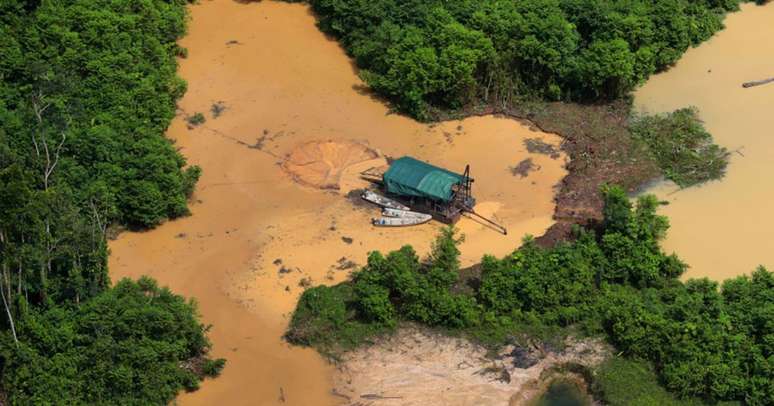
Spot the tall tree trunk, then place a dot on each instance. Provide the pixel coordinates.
(19, 270)
(49, 254)
(7, 276)
(8, 312)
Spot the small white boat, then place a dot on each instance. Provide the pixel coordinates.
(383, 201)
(401, 221)
(388, 212)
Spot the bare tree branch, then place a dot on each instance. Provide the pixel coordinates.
(8, 309)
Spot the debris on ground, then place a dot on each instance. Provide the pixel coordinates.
(344, 264)
(354, 197)
(305, 282)
(217, 108)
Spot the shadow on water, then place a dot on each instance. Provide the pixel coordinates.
(562, 392)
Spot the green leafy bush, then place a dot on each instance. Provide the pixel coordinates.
(196, 119)
(213, 367)
(682, 147)
(325, 317)
(526, 282)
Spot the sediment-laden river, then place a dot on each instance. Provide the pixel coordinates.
(725, 228)
(257, 233)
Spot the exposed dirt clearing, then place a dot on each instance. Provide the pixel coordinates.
(419, 368)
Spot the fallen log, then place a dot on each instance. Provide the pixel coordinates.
(757, 82)
(373, 396)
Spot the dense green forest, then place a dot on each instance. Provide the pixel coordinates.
(87, 89)
(433, 54)
(132, 344)
(704, 341)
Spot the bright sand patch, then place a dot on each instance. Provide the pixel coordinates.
(284, 84)
(415, 368)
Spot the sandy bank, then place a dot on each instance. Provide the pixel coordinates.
(420, 368)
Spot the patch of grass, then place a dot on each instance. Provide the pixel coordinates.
(324, 321)
(626, 382)
(196, 119)
(682, 146)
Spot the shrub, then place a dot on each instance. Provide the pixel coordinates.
(321, 310)
(213, 367)
(682, 147)
(374, 304)
(196, 119)
(624, 382)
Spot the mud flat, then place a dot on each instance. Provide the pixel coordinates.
(270, 214)
(724, 228)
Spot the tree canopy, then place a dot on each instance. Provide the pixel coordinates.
(446, 54)
(125, 346)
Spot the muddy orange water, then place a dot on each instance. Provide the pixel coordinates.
(725, 228)
(256, 232)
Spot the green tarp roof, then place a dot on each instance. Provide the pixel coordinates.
(410, 177)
